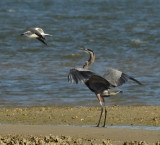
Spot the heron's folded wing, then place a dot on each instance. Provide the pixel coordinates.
(79, 75)
(97, 84)
(118, 78)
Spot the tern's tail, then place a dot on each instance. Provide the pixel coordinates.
(47, 35)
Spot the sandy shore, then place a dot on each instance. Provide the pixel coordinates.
(40, 125)
(82, 134)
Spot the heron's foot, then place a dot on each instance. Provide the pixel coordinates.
(97, 125)
(104, 125)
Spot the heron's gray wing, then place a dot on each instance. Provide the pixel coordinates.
(118, 78)
(33, 30)
(42, 41)
(79, 75)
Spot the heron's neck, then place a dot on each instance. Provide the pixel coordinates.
(90, 60)
(86, 65)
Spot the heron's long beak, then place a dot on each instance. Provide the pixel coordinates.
(84, 50)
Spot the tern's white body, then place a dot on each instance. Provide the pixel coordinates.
(32, 35)
(37, 33)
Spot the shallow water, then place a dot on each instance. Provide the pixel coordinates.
(123, 35)
(127, 127)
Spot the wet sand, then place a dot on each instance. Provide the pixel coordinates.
(82, 134)
(41, 125)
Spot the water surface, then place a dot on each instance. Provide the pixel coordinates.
(123, 34)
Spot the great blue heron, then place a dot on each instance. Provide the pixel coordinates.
(101, 86)
(38, 33)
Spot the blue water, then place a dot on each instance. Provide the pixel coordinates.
(123, 34)
(116, 126)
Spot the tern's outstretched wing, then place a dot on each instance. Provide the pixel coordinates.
(40, 39)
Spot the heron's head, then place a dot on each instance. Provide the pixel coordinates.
(89, 51)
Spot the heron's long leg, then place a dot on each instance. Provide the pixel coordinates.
(99, 98)
(105, 112)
